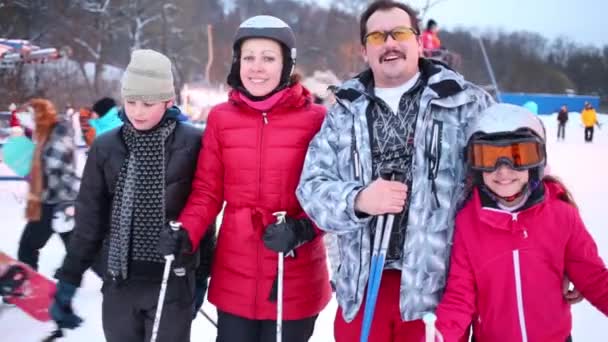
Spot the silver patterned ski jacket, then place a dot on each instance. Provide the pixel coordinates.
(339, 164)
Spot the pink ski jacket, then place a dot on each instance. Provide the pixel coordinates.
(507, 269)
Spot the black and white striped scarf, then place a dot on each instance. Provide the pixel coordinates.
(138, 211)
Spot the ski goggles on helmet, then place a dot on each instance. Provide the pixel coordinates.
(520, 154)
(399, 34)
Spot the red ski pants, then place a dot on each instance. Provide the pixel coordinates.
(387, 325)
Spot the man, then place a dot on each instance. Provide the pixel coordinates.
(562, 118)
(405, 112)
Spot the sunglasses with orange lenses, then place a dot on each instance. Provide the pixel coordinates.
(399, 34)
(519, 155)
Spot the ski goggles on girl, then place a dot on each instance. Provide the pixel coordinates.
(399, 34)
(521, 154)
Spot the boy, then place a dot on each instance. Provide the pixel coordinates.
(136, 179)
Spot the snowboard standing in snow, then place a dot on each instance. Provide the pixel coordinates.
(27, 289)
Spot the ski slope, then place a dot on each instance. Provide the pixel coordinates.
(582, 166)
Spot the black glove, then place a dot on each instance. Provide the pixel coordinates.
(286, 236)
(61, 310)
(171, 242)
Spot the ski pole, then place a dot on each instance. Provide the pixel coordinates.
(373, 286)
(430, 331)
(280, 215)
(214, 323)
(367, 313)
(55, 335)
(175, 226)
(382, 237)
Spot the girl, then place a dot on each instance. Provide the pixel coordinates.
(253, 151)
(515, 238)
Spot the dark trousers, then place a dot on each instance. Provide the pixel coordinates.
(233, 328)
(36, 234)
(561, 130)
(128, 310)
(589, 134)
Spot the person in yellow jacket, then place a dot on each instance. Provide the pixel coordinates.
(589, 118)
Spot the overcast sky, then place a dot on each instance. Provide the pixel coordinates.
(583, 21)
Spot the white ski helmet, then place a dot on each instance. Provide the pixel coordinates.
(506, 118)
(264, 26)
(501, 122)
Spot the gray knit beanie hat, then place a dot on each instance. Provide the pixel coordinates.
(148, 77)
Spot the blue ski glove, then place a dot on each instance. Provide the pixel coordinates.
(61, 309)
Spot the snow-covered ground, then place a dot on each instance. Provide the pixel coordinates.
(582, 166)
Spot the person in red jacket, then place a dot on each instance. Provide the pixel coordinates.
(253, 152)
(14, 120)
(515, 238)
(430, 39)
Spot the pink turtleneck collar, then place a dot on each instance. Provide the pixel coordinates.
(267, 104)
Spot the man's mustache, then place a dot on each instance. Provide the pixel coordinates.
(397, 53)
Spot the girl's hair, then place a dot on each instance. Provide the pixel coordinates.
(469, 185)
(566, 196)
(466, 192)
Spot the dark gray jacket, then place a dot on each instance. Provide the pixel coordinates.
(94, 202)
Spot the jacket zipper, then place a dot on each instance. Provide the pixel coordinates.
(259, 253)
(524, 230)
(265, 122)
(519, 295)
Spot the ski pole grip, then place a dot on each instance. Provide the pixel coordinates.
(175, 225)
(392, 174)
(430, 331)
(280, 215)
(180, 271)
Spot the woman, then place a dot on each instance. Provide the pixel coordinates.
(253, 151)
(53, 183)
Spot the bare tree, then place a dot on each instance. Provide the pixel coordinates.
(428, 4)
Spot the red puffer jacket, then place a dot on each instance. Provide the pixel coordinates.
(253, 161)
